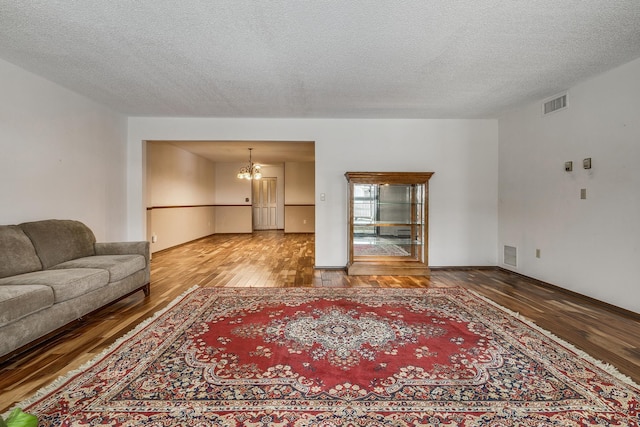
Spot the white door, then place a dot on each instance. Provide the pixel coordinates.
(264, 204)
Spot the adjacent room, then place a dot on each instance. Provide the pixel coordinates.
(244, 213)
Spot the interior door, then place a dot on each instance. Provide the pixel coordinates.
(264, 204)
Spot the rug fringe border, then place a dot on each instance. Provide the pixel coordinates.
(42, 392)
(606, 367)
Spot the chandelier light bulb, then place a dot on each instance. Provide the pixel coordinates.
(250, 171)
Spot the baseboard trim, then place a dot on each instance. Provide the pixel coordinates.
(599, 303)
(463, 267)
(453, 267)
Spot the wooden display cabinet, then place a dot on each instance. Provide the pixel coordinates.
(388, 223)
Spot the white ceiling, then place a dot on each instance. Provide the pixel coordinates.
(318, 58)
(263, 152)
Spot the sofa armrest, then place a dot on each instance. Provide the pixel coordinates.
(123, 248)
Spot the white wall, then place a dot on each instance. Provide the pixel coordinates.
(177, 225)
(589, 246)
(180, 192)
(178, 177)
(229, 189)
(300, 197)
(300, 185)
(462, 153)
(61, 156)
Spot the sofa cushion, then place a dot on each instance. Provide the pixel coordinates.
(16, 252)
(118, 266)
(58, 241)
(66, 284)
(21, 300)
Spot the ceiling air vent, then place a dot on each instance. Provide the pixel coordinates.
(510, 256)
(555, 104)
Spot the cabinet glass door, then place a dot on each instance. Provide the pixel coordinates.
(388, 223)
(387, 220)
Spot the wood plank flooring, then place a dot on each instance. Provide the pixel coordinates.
(273, 259)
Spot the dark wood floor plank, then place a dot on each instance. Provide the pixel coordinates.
(275, 259)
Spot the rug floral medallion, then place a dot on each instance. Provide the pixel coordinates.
(339, 357)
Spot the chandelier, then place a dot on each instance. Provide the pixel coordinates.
(250, 171)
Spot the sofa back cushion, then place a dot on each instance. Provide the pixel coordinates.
(58, 240)
(16, 252)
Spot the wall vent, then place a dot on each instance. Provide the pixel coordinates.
(555, 104)
(510, 256)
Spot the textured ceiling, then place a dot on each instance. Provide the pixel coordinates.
(318, 58)
(262, 152)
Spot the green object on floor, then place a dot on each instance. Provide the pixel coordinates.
(17, 418)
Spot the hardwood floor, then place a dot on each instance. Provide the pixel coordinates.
(273, 259)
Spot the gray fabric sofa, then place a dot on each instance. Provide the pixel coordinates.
(53, 272)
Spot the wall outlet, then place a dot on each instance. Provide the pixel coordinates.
(154, 238)
(537, 253)
(583, 193)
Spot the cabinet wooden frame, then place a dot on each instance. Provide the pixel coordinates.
(415, 262)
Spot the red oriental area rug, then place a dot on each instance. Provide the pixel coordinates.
(339, 357)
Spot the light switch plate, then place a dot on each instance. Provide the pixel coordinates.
(568, 166)
(586, 163)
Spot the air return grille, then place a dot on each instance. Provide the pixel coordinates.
(510, 256)
(555, 104)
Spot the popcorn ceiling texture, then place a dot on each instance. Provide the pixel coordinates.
(318, 58)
